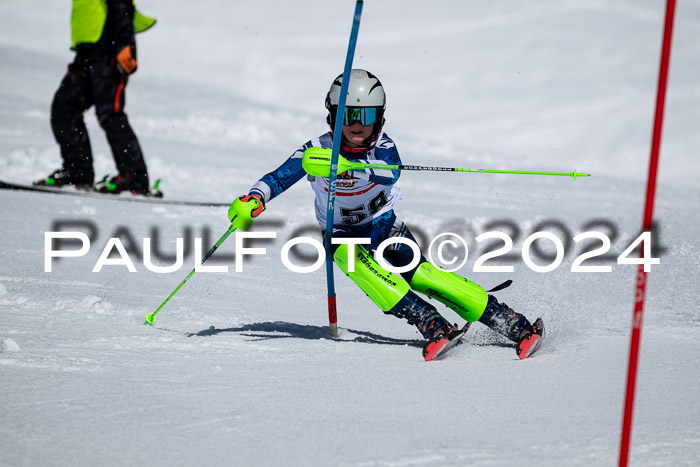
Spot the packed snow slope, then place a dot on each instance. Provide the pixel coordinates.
(239, 369)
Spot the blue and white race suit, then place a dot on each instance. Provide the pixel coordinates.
(364, 203)
(361, 196)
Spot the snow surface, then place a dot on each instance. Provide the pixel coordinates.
(239, 369)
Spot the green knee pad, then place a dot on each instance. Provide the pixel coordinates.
(384, 288)
(466, 298)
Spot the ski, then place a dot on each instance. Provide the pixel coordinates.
(531, 343)
(72, 191)
(434, 349)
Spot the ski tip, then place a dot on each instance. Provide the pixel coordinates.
(434, 349)
(530, 344)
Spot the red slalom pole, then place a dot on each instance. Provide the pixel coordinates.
(641, 282)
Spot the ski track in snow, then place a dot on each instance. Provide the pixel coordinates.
(239, 368)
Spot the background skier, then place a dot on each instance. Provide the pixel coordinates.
(102, 33)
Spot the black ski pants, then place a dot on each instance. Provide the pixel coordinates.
(97, 83)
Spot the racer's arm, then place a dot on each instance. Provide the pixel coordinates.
(279, 180)
(384, 154)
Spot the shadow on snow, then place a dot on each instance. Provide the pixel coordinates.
(284, 330)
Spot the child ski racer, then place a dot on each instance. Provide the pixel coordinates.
(365, 209)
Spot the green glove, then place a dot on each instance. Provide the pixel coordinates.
(244, 209)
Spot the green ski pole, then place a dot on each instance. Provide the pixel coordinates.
(240, 214)
(316, 162)
(151, 317)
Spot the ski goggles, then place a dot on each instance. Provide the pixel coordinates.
(364, 115)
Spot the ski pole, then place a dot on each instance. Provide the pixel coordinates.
(316, 162)
(151, 317)
(241, 216)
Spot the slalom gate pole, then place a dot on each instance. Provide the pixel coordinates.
(151, 317)
(641, 283)
(337, 134)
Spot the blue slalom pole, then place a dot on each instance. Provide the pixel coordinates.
(337, 134)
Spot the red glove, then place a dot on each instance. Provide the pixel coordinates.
(261, 206)
(244, 209)
(243, 206)
(126, 63)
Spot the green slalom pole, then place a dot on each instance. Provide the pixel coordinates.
(151, 317)
(316, 162)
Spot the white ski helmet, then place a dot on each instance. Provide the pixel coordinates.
(364, 91)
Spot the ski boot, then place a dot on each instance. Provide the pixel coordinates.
(513, 325)
(419, 313)
(430, 324)
(62, 177)
(122, 183)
